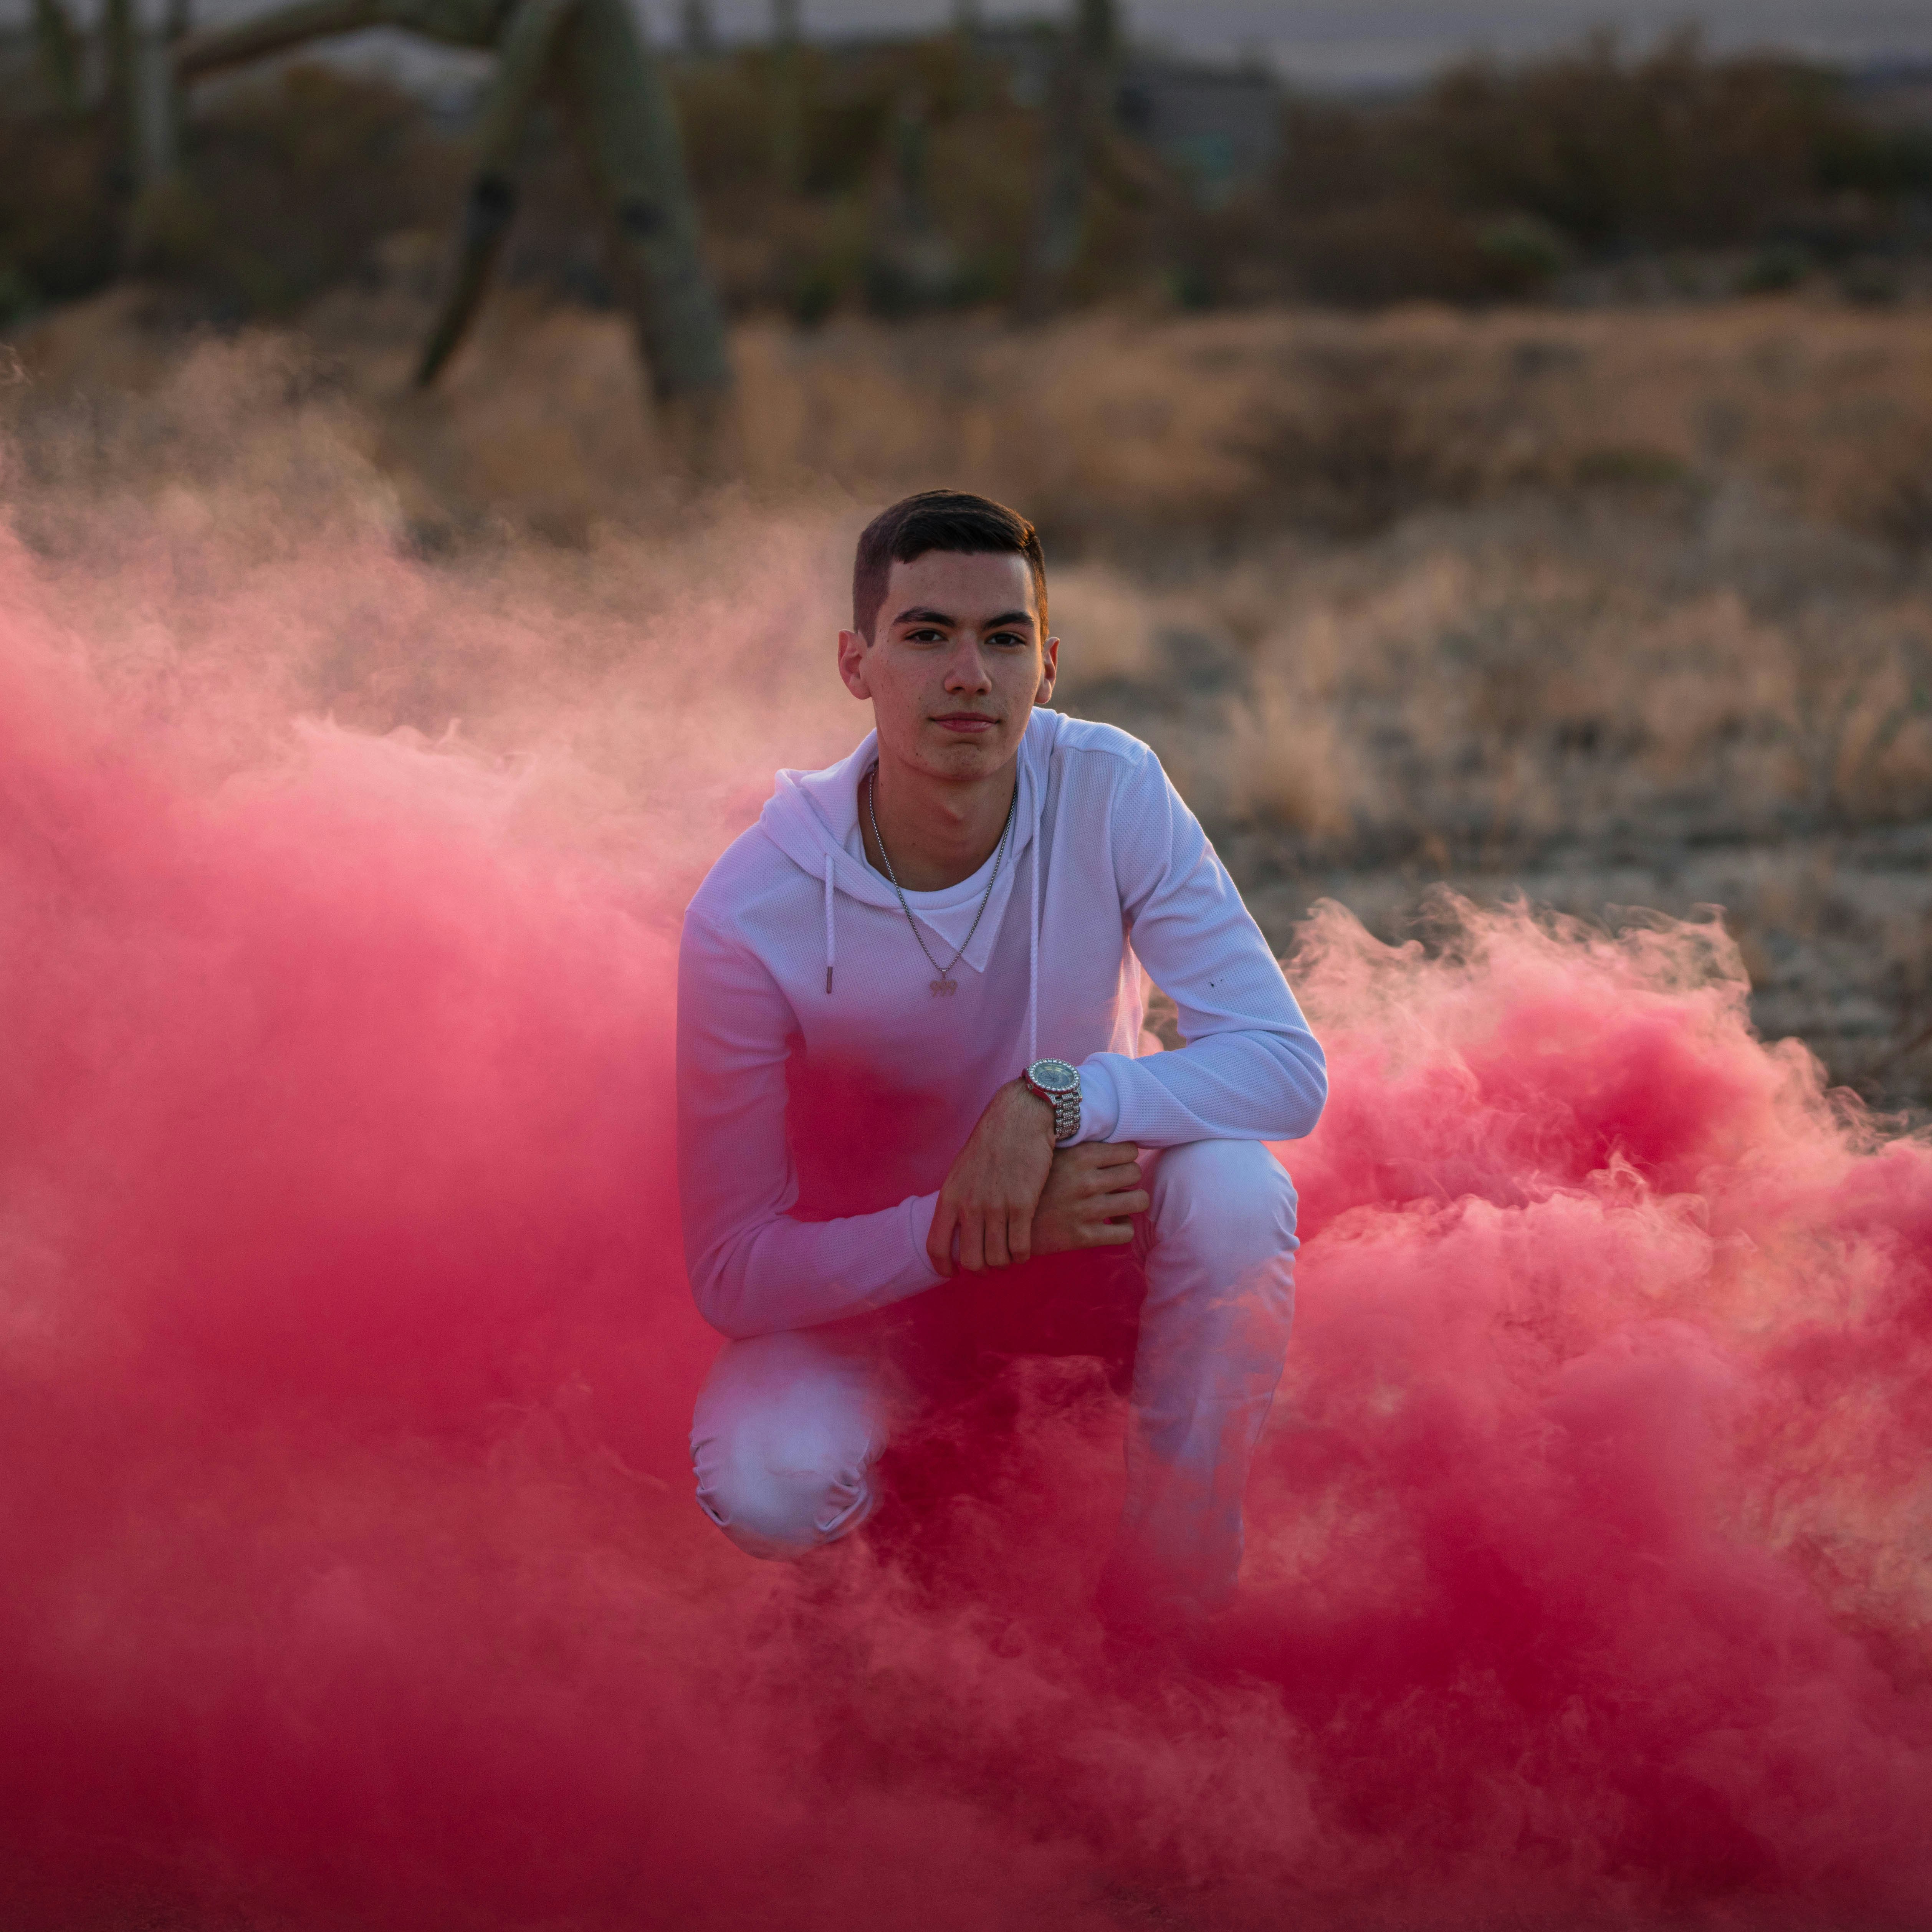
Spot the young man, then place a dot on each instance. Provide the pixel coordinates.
(909, 1023)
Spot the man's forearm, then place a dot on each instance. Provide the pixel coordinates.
(781, 1273)
(1268, 1084)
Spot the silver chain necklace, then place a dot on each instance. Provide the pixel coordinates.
(945, 984)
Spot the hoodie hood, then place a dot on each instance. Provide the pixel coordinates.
(812, 817)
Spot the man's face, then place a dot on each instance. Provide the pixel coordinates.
(957, 663)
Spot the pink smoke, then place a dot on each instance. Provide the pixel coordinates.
(351, 1575)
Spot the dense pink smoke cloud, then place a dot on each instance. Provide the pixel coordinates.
(351, 1574)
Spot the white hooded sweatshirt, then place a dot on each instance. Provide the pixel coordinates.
(819, 1075)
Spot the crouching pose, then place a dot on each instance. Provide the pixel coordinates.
(909, 1044)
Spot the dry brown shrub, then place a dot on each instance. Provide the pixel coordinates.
(1142, 434)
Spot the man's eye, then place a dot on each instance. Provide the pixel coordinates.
(1009, 637)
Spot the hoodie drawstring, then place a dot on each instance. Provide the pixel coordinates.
(1033, 939)
(831, 946)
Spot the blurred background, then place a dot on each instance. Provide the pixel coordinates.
(1486, 442)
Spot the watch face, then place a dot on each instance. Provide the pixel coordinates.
(1055, 1075)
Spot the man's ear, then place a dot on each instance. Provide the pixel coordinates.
(1049, 658)
(852, 647)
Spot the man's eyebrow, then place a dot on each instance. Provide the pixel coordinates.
(919, 614)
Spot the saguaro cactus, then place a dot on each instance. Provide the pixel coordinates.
(589, 54)
(1079, 110)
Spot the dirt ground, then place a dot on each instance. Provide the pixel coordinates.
(1618, 610)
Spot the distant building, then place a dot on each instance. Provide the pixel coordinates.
(1220, 125)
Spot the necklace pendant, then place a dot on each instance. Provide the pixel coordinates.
(943, 988)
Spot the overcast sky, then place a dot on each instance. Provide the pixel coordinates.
(1327, 43)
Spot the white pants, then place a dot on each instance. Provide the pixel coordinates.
(789, 1427)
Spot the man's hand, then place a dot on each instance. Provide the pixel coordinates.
(990, 1195)
(1089, 1198)
(1011, 1195)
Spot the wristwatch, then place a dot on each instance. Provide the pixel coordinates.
(1058, 1084)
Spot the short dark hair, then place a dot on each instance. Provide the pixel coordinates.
(954, 519)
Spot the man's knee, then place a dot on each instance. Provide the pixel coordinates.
(779, 1501)
(783, 1443)
(1231, 1197)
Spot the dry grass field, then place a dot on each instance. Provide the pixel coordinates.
(1617, 609)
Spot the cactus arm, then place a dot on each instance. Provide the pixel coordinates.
(528, 43)
(463, 23)
(214, 48)
(627, 129)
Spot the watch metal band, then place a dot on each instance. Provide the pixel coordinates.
(1058, 1084)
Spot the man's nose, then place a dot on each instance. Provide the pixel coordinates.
(967, 669)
